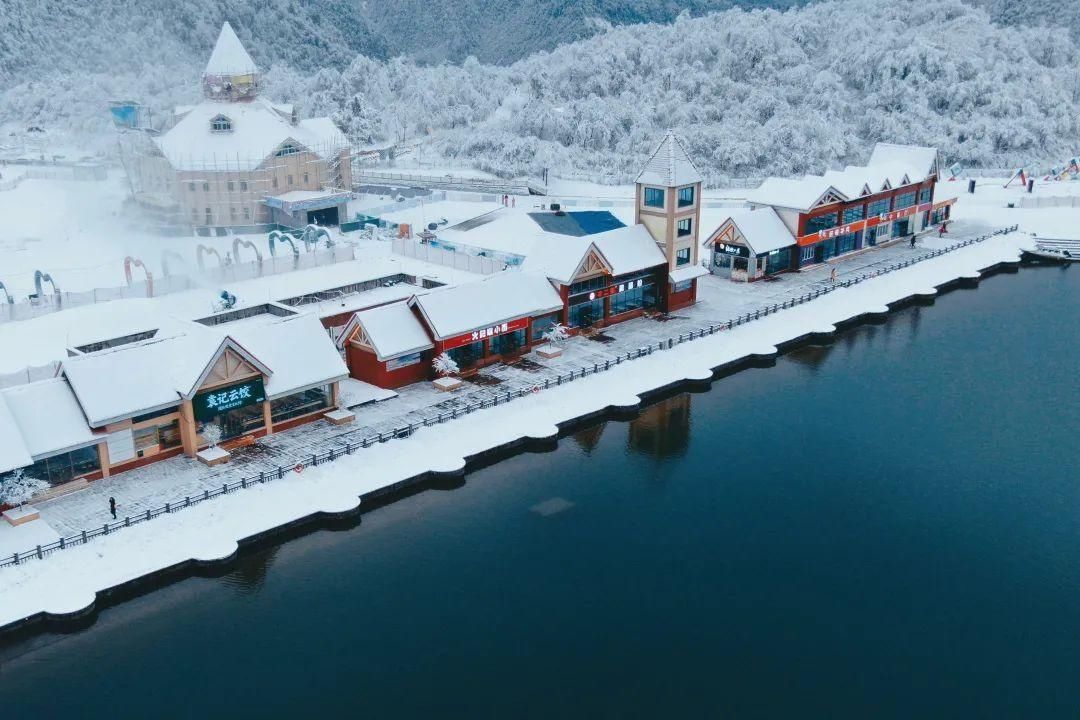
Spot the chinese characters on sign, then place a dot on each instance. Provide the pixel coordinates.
(485, 333)
(221, 400)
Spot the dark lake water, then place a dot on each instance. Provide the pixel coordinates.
(885, 527)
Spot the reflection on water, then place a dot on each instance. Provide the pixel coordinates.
(589, 438)
(251, 571)
(810, 355)
(662, 430)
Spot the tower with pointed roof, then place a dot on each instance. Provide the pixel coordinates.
(668, 204)
(230, 74)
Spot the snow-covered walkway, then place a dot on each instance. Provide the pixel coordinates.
(67, 581)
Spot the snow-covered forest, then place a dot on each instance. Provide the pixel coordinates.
(752, 92)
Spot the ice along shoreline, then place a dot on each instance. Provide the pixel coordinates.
(73, 585)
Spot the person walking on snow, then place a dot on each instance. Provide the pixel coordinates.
(913, 240)
(112, 507)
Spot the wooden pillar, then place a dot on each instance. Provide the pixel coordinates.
(335, 394)
(268, 421)
(103, 458)
(189, 438)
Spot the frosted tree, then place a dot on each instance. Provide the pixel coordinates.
(211, 433)
(17, 487)
(445, 366)
(557, 334)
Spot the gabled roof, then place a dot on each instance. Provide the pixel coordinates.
(48, 417)
(669, 165)
(498, 298)
(762, 229)
(229, 56)
(190, 372)
(258, 129)
(623, 250)
(920, 162)
(390, 330)
(802, 194)
(13, 451)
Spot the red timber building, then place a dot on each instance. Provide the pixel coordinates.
(829, 215)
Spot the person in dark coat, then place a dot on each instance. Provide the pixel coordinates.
(112, 507)
(912, 240)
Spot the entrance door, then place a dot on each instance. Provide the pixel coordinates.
(819, 253)
(326, 216)
(871, 236)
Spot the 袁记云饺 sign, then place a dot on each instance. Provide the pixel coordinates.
(212, 403)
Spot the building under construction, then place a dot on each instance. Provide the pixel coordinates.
(238, 160)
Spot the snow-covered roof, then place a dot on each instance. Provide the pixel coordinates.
(391, 330)
(890, 166)
(49, 417)
(762, 229)
(795, 193)
(293, 354)
(624, 250)
(13, 451)
(298, 351)
(919, 162)
(229, 56)
(257, 131)
(629, 249)
(669, 165)
(498, 298)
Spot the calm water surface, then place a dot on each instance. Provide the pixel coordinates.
(885, 527)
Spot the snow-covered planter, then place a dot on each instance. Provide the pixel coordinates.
(555, 335)
(212, 455)
(447, 370)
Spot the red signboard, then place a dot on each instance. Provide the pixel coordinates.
(855, 227)
(485, 333)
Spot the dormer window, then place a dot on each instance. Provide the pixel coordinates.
(287, 149)
(220, 123)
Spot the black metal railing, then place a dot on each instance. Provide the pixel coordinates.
(501, 398)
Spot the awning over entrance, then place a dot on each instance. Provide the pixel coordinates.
(684, 274)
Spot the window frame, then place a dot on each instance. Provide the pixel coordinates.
(654, 191)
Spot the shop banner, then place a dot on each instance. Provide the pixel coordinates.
(484, 333)
(854, 227)
(210, 404)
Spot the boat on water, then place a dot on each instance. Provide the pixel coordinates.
(1062, 250)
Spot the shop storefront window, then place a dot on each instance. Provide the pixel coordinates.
(65, 467)
(808, 254)
(778, 260)
(584, 286)
(821, 222)
(687, 284)
(828, 248)
(301, 403)
(541, 325)
(632, 299)
(878, 207)
(467, 355)
(507, 342)
(846, 243)
(586, 314)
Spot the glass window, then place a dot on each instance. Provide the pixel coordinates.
(247, 213)
(243, 186)
(807, 253)
(229, 185)
(682, 257)
(65, 467)
(683, 227)
(820, 222)
(542, 324)
(926, 195)
(467, 355)
(273, 181)
(305, 178)
(686, 196)
(287, 149)
(507, 342)
(301, 403)
(905, 201)
(221, 124)
(232, 212)
(209, 216)
(853, 214)
(847, 243)
(586, 314)
(778, 260)
(654, 197)
(206, 187)
(191, 186)
(684, 286)
(878, 207)
(289, 179)
(584, 286)
(630, 299)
